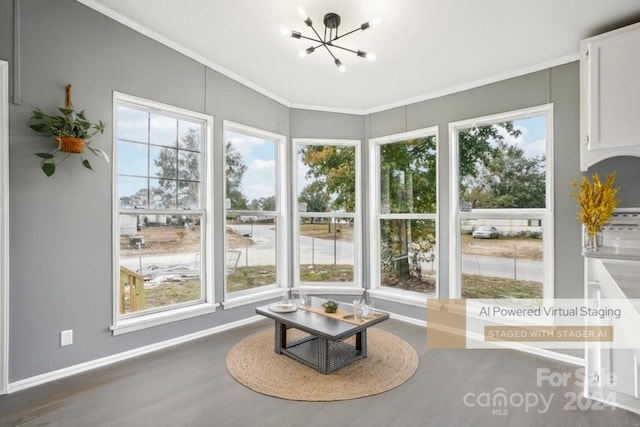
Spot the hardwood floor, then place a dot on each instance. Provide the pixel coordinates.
(188, 385)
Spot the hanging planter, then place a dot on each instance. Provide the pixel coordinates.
(69, 144)
(71, 132)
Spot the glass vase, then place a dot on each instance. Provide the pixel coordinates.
(592, 242)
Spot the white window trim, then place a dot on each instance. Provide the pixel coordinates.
(328, 287)
(4, 226)
(235, 299)
(130, 323)
(546, 214)
(396, 295)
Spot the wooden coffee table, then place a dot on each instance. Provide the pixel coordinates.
(323, 349)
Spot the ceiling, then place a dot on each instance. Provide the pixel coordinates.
(424, 48)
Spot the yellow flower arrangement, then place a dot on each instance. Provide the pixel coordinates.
(597, 201)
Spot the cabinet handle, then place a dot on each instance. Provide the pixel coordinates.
(586, 140)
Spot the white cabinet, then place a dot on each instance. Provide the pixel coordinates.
(613, 374)
(610, 95)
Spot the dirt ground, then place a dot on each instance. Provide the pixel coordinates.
(159, 240)
(180, 239)
(507, 247)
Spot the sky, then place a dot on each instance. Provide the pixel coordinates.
(533, 139)
(136, 129)
(259, 155)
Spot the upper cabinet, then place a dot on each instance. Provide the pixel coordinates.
(610, 95)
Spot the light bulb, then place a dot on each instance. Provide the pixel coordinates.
(375, 22)
(302, 13)
(285, 31)
(371, 56)
(339, 65)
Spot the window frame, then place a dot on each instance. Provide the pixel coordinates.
(234, 299)
(328, 287)
(397, 295)
(137, 321)
(545, 214)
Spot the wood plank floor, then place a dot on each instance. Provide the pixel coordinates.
(188, 385)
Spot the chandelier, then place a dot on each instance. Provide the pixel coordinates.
(331, 23)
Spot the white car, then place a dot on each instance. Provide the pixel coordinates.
(485, 232)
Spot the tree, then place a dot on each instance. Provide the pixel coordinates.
(515, 181)
(407, 185)
(333, 167)
(179, 174)
(476, 149)
(408, 176)
(316, 196)
(263, 204)
(138, 199)
(234, 172)
(497, 174)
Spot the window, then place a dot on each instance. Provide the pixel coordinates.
(255, 229)
(327, 211)
(502, 205)
(161, 205)
(404, 201)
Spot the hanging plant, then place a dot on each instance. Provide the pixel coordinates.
(72, 133)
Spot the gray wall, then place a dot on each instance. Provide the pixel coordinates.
(61, 227)
(627, 170)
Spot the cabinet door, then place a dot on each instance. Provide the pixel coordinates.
(611, 65)
(610, 96)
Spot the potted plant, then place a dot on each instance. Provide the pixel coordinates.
(330, 306)
(72, 133)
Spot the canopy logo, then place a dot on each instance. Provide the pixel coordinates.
(499, 401)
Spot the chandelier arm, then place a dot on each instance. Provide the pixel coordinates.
(326, 46)
(345, 34)
(312, 39)
(317, 35)
(343, 48)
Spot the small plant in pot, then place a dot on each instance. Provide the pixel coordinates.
(330, 306)
(72, 133)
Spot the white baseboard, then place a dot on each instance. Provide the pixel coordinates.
(104, 361)
(410, 320)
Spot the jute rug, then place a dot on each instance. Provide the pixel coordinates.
(390, 362)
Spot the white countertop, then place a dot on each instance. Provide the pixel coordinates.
(611, 252)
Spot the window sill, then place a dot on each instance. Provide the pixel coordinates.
(328, 289)
(415, 299)
(246, 299)
(138, 323)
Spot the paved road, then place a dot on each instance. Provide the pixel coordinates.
(521, 269)
(318, 251)
(321, 251)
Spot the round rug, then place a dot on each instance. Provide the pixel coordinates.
(390, 362)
